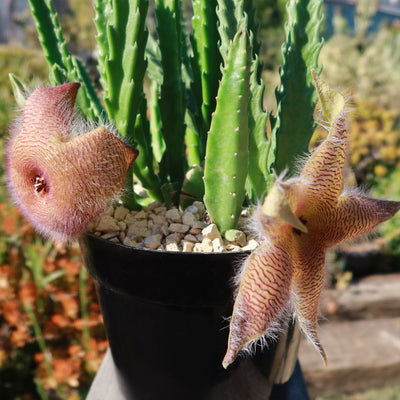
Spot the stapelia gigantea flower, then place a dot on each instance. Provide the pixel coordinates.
(299, 219)
(61, 181)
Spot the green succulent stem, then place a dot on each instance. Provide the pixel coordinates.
(293, 124)
(63, 66)
(227, 145)
(231, 19)
(262, 150)
(208, 58)
(157, 141)
(203, 113)
(172, 102)
(143, 165)
(122, 39)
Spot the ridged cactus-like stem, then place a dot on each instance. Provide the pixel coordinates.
(157, 141)
(143, 167)
(170, 130)
(122, 44)
(262, 150)
(115, 30)
(172, 100)
(227, 145)
(293, 124)
(102, 10)
(63, 66)
(208, 56)
(231, 20)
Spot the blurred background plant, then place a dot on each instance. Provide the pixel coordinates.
(30, 63)
(364, 61)
(52, 339)
(51, 335)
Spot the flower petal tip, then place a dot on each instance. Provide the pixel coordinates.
(323, 355)
(132, 154)
(332, 102)
(229, 358)
(64, 95)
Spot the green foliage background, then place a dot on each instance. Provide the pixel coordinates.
(367, 67)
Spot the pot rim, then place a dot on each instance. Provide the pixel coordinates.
(163, 277)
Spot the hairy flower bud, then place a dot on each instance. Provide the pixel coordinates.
(59, 181)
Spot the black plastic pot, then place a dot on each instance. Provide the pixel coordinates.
(165, 315)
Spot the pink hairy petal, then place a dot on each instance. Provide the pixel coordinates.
(263, 293)
(61, 185)
(355, 215)
(293, 254)
(308, 279)
(48, 112)
(323, 172)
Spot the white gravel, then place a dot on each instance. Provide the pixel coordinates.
(157, 228)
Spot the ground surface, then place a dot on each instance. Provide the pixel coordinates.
(361, 336)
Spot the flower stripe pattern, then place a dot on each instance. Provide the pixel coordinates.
(299, 219)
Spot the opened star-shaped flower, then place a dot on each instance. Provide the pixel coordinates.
(60, 180)
(299, 219)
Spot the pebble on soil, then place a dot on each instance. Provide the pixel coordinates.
(157, 228)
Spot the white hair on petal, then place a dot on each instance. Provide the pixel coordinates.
(257, 224)
(75, 125)
(276, 328)
(358, 190)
